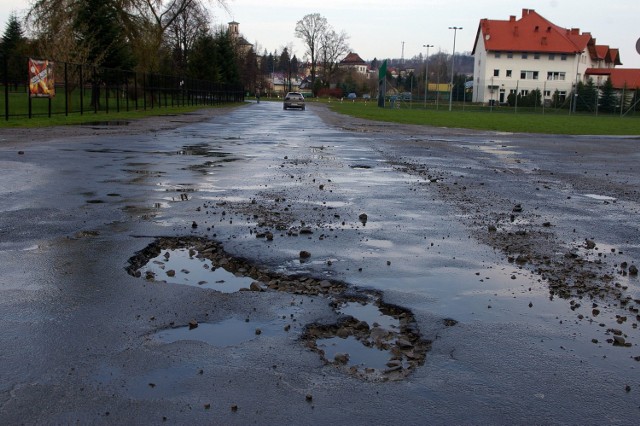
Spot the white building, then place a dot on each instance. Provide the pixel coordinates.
(353, 61)
(520, 55)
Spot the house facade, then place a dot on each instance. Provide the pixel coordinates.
(517, 56)
(353, 61)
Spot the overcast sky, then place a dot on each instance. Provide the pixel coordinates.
(378, 28)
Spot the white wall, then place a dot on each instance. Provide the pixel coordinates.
(486, 62)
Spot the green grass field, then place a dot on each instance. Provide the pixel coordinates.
(500, 119)
(473, 117)
(101, 116)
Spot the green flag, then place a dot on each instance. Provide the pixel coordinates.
(382, 72)
(382, 79)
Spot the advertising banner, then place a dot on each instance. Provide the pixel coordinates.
(41, 81)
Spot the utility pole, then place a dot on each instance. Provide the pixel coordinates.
(453, 56)
(426, 74)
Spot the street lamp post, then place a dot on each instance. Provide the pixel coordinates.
(426, 74)
(453, 55)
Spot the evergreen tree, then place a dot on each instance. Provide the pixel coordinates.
(587, 95)
(284, 62)
(227, 56)
(12, 48)
(100, 30)
(608, 98)
(204, 59)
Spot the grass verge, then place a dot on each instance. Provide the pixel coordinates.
(101, 116)
(502, 121)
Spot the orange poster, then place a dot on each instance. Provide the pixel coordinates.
(41, 81)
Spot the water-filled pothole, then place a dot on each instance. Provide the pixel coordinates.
(229, 332)
(388, 348)
(370, 339)
(185, 266)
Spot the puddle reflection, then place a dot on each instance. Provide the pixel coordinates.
(183, 266)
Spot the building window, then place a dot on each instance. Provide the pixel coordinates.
(563, 57)
(525, 56)
(547, 93)
(497, 55)
(510, 55)
(529, 75)
(552, 56)
(524, 92)
(556, 75)
(536, 56)
(508, 73)
(496, 73)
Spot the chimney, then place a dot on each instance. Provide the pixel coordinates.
(512, 18)
(575, 31)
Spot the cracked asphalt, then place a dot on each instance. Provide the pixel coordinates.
(514, 254)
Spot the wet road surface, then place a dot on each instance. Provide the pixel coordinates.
(85, 341)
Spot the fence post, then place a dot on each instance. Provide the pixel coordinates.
(66, 91)
(106, 91)
(5, 67)
(81, 90)
(144, 90)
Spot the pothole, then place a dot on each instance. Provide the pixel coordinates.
(187, 266)
(371, 339)
(229, 332)
(387, 347)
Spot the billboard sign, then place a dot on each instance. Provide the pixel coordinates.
(41, 81)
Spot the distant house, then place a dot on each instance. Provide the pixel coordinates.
(354, 62)
(516, 56)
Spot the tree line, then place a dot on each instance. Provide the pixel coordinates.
(175, 37)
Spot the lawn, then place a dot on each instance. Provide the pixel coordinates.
(101, 116)
(499, 119)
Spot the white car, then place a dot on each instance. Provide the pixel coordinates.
(293, 100)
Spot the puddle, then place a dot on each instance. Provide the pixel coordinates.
(370, 313)
(203, 150)
(370, 339)
(230, 332)
(105, 123)
(358, 354)
(184, 266)
(600, 197)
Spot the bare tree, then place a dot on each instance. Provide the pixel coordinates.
(182, 33)
(310, 29)
(333, 46)
(146, 23)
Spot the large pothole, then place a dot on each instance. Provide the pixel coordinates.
(370, 339)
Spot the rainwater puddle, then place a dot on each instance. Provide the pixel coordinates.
(359, 354)
(105, 123)
(183, 266)
(230, 332)
(599, 197)
(369, 313)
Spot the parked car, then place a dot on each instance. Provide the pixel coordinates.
(352, 96)
(293, 100)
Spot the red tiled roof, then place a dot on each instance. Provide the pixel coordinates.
(353, 59)
(621, 78)
(531, 33)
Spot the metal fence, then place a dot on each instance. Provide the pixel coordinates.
(87, 89)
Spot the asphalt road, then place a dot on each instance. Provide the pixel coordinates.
(514, 255)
